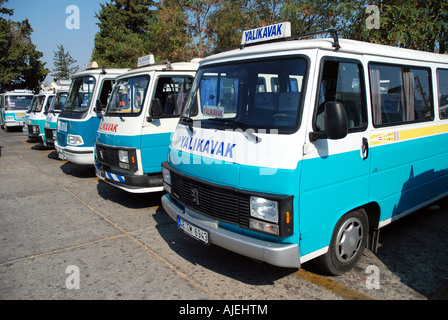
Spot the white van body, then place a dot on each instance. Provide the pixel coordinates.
(312, 168)
(78, 123)
(13, 107)
(132, 140)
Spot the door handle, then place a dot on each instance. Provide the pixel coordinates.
(365, 148)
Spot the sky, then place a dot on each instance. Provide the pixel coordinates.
(52, 26)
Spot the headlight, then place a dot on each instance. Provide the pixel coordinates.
(264, 209)
(123, 156)
(166, 175)
(166, 179)
(74, 140)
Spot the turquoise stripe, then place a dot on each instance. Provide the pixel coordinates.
(243, 177)
(153, 147)
(397, 176)
(87, 129)
(408, 173)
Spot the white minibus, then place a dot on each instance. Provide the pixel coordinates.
(353, 137)
(142, 114)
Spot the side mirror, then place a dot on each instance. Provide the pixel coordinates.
(156, 109)
(336, 123)
(98, 106)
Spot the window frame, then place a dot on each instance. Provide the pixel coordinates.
(438, 92)
(402, 66)
(362, 86)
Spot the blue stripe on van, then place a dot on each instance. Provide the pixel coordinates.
(87, 129)
(153, 147)
(397, 176)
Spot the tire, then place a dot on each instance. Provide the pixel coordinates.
(348, 242)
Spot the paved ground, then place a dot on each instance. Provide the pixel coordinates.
(61, 227)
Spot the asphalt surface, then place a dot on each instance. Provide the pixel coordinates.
(65, 235)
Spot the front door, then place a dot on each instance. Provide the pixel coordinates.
(335, 175)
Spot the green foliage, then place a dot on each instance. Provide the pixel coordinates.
(169, 35)
(179, 30)
(20, 64)
(63, 64)
(123, 35)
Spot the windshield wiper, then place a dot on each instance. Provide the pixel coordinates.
(241, 124)
(189, 122)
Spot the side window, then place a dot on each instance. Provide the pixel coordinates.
(172, 92)
(442, 83)
(106, 90)
(343, 82)
(400, 94)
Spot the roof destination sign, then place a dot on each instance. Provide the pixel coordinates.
(275, 31)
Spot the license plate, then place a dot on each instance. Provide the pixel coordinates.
(193, 231)
(99, 173)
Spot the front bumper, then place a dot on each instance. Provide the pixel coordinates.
(130, 183)
(277, 254)
(78, 155)
(10, 124)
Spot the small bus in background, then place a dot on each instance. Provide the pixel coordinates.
(78, 122)
(52, 115)
(36, 117)
(13, 107)
(135, 131)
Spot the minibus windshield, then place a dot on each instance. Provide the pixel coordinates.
(255, 94)
(58, 102)
(80, 94)
(18, 102)
(40, 103)
(128, 96)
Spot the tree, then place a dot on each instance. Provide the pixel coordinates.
(123, 35)
(20, 64)
(169, 32)
(63, 64)
(226, 24)
(413, 24)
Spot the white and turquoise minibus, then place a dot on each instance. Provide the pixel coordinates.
(78, 123)
(51, 120)
(36, 117)
(349, 137)
(13, 107)
(135, 131)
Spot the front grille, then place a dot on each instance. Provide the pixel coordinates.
(213, 201)
(107, 156)
(61, 139)
(49, 135)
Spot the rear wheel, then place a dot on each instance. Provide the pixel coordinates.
(347, 243)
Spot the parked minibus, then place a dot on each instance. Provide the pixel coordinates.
(135, 131)
(352, 137)
(36, 117)
(78, 122)
(13, 107)
(52, 115)
(27, 115)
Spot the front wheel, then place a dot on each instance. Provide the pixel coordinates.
(348, 242)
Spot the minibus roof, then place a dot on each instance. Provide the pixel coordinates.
(168, 67)
(346, 45)
(99, 71)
